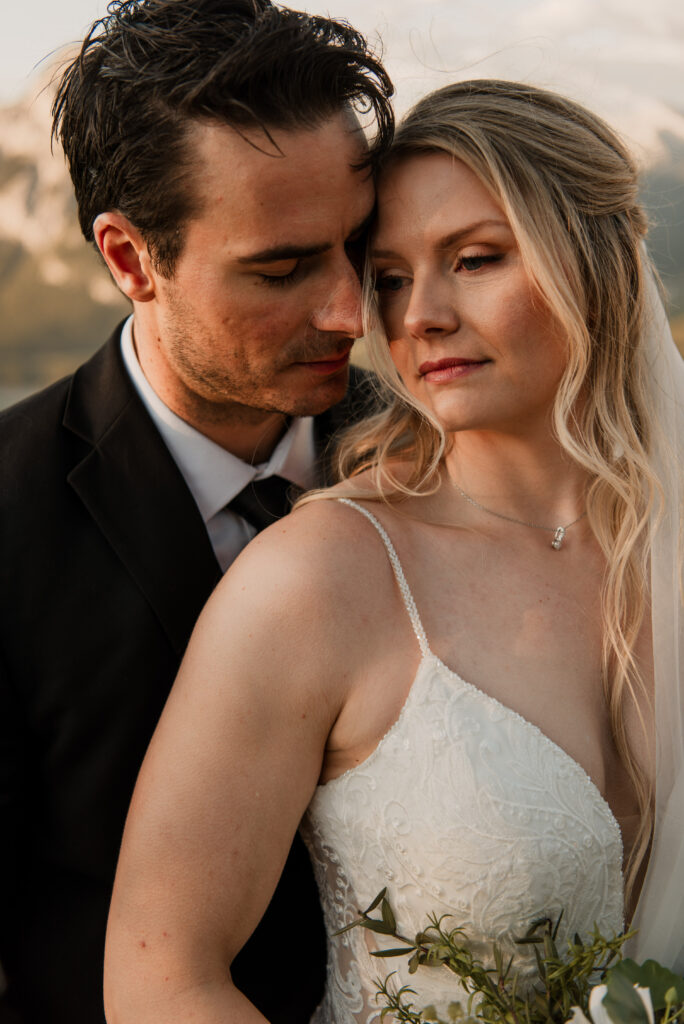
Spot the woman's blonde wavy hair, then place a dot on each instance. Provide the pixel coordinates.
(569, 190)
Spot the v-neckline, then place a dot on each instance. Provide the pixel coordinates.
(427, 657)
(530, 726)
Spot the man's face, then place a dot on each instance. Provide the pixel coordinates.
(264, 302)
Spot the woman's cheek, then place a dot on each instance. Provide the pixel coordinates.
(392, 315)
(400, 351)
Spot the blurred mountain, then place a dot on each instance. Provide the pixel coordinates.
(663, 197)
(58, 304)
(57, 301)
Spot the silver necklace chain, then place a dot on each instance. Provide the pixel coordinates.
(557, 531)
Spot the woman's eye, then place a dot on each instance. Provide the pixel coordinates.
(471, 263)
(389, 283)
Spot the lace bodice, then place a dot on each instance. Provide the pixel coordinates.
(464, 808)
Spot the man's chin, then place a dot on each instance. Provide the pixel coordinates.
(318, 399)
(308, 395)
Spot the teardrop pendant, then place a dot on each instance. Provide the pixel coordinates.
(558, 538)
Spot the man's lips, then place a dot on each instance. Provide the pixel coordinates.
(328, 364)
(443, 370)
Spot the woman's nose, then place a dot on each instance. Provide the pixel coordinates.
(431, 310)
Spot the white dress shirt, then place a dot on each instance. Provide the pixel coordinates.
(212, 474)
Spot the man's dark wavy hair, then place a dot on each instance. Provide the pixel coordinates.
(151, 68)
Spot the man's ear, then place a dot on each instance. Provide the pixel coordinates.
(126, 255)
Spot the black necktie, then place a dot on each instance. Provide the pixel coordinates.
(262, 502)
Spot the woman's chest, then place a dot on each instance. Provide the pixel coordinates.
(467, 809)
(534, 647)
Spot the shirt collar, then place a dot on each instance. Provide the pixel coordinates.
(213, 475)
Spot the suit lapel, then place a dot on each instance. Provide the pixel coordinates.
(132, 488)
(135, 493)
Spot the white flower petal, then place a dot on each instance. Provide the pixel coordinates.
(645, 996)
(596, 997)
(600, 1016)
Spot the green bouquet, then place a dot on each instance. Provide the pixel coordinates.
(591, 984)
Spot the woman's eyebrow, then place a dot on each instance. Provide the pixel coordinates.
(452, 239)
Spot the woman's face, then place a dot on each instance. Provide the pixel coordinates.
(467, 333)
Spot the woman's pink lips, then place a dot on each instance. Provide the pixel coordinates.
(324, 366)
(449, 369)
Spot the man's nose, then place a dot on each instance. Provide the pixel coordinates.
(341, 312)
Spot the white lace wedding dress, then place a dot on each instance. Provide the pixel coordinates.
(464, 808)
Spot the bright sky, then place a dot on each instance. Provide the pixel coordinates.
(624, 58)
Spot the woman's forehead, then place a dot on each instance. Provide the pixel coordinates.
(432, 193)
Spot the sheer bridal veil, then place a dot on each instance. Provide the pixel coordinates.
(660, 912)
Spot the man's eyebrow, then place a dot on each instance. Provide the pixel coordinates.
(284, 252)
(452, 239)
(292, 252)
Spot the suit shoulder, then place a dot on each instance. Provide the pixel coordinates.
(33, 458)
(35, 423)
(36, 417)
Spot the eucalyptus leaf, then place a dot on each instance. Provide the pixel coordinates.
(622, 1002)
(652, 976)
(377, 926)
(378, 899)
(359, 923)
(388, 952)
(388, 916)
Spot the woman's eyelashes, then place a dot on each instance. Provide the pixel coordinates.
(473, 263)
(392, 280)
(387, 281)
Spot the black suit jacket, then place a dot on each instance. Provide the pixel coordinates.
(105, 566)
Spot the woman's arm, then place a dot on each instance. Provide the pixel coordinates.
(230, 770)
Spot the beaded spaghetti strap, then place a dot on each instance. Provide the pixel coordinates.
(406, 594)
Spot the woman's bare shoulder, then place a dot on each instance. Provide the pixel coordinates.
(297, 614)
(369, 484)
(318, 540)
(323, 564)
